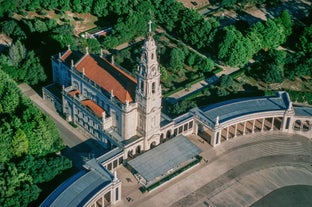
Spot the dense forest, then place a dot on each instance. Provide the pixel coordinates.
(28, 143)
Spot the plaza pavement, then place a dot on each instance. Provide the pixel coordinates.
(239, 172)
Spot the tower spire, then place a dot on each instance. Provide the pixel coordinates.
(150, 26)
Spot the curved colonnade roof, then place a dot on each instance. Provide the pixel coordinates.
(239, 107)
(80, 188)
(303, 111)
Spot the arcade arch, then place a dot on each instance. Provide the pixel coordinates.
(153, 145)
(234, 129)
(302, 125)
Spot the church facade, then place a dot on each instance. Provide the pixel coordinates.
(109, 103)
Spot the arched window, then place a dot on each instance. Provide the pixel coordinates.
(153, 87)
(152, 56)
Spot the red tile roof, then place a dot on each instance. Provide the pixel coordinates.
(66, 54)
(109, 77)
(93, 106)
(73, 93)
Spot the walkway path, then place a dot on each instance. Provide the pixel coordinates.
(200, 85)
(232, 167)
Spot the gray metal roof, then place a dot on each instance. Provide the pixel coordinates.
(76, 191)
(164, 157)
(182, 118)
(234, 108)
(303, 111)
(112, 153)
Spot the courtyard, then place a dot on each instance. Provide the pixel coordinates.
(237, 173)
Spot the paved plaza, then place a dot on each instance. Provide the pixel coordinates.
(238, 173)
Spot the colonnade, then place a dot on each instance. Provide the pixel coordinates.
(233, 129)
(110, 195)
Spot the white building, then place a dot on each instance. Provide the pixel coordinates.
(108, 102)
(124, 112)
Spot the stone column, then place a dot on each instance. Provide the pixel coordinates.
(195, 129)
(215, 137)
(262, 126)
(244, 130)
(301, 125)
(272, 124)
(235, 131)
(253, 126)
(103, 200)
(227, 133)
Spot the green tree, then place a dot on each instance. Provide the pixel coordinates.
(40, 26)
(16, 188)
(305, 41)
(64, 35)
(226, 81)
(100, 8)
(17, 53)
(206, 64)
(190, 60)
(86, 5)
(33, 70)
(164, 73)
(5, 141)
(169, 13)
(234, 49)
(77, 6)
(7, 7)
(176, 59)
(64, 5)
(12, 29)
(228, 3)
(181, 107)
(275, 66)
(19, 143)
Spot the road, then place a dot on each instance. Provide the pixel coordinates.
(70, 136)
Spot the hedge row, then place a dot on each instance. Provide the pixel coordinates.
(184, 87)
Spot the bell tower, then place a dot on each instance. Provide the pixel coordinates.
(148, 91)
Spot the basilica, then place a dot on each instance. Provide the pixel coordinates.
(124, 113)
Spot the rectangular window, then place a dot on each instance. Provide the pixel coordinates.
(120, 160)
(109, 166)
(115, 164)
(153, 87)
(191, 125)
(175, 132)
(180, 129)
(185, 127)
(117, 195)
(287, 123)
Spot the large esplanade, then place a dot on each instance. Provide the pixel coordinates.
(220, 122)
